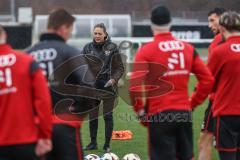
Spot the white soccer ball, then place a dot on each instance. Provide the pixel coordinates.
(92, 157)
(131, 156)
(109, 156)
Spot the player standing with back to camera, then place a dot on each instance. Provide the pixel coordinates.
(51, 52)
(107, 80)
(206, 135)
(171, 139)
(24, 99)
(224, 65)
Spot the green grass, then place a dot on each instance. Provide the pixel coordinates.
(124, 120)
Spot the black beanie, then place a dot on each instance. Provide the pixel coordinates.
(160, 16)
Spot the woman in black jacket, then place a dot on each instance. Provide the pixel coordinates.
(111, 71)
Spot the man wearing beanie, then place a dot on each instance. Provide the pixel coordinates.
(169, 120)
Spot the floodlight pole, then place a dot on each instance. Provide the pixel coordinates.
(13, 10)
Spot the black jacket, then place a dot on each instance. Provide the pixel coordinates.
(52, 53)
(108, 53)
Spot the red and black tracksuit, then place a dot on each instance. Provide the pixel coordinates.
(169, 112)
(24, 96)
(208, 125)
(217, 40)
(224, 66)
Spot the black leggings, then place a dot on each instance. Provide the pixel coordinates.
(108, 105)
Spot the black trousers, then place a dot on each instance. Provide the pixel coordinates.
(229, 155)
(108, 105)
(66, 143)
(227, 134)
(170, 136)
(18, 152)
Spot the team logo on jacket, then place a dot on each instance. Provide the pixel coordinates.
(171, 46)
(176, 59)
(176, 65)
(107, 53)
(235, 47)
(108, 48)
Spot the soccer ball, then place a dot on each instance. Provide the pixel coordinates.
(109, 156)
(131, 156)
(92, 157)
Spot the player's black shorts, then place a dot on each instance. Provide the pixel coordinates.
(171, 137)
(227, 133)
(66, 143)
(207, 125)
(18, 152)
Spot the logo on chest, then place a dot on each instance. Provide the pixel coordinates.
(107, 53)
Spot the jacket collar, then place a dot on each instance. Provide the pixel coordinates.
(98, 45)
(163, 35)
(233, 38)
(51, 36)
(5, 47)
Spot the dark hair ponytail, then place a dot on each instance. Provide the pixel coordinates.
(102, 25)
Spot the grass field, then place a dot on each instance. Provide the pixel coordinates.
(124, 120)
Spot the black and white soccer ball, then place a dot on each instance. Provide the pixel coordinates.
(109, 156)
(92, 157)
(131, 156)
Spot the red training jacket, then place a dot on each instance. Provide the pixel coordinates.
(180, 59)
(218, 39)
(224, 66)
(23, 95)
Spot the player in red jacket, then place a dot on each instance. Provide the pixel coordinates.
(224, 66)
(168, 106)
(24, 96)
(206, 135)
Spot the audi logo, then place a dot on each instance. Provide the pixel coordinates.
(235, 47)
(171, 46)
(44, 54)
(7, 60)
